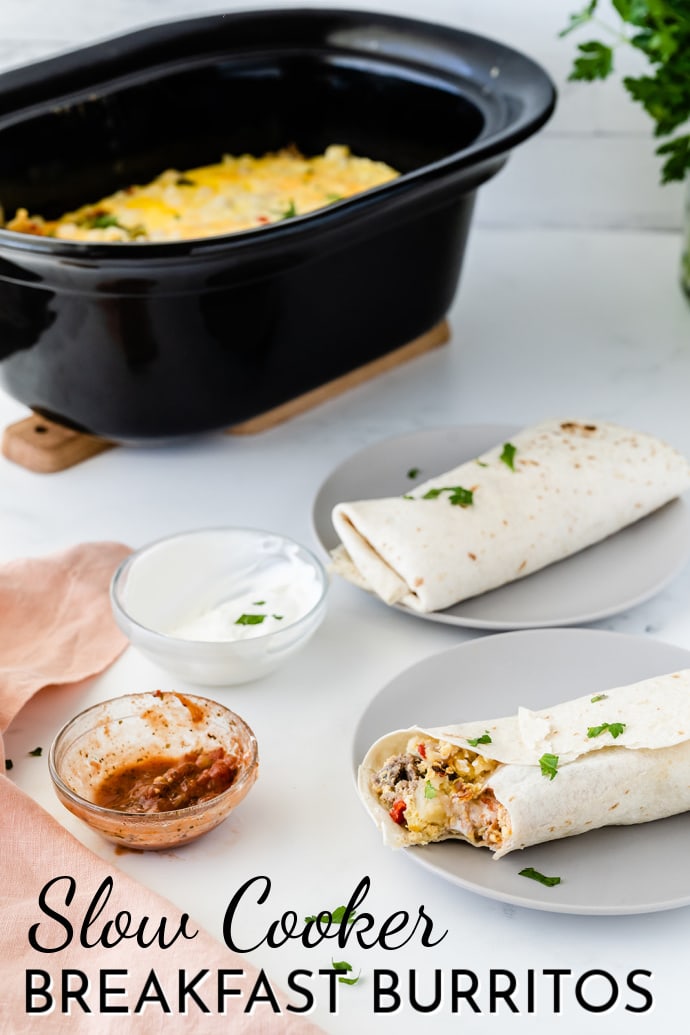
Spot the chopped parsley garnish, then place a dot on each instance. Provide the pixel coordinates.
(508, 455)
(429, 790)
(459, 497)
(413, 472)
(549, 765)
(36, 753)
(533, 874)
(102, 221)
(480, 463)
(278, 618)
(484, 739)
(614, 728)
(337, 915)
(250, 620)
(289, 212)
(331, 198)
(8, 763)
(598, 697)
(258, 603)
(345, 967)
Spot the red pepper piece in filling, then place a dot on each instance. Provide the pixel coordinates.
(396, 812)
(421, 750)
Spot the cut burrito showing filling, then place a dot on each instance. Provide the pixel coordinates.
(551, 491)
(617, 757)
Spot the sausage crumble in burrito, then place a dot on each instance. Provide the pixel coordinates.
(553, 490)
(615, 758)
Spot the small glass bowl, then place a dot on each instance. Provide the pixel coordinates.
(164, 585)
(117, 733)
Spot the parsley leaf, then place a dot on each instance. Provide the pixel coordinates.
(484, 739)
(549, 765)
(458, 496)
(102, 221)
(36, 753)
(339, 913)
(413, 472)
(614, 728)
(533, 874)
(678, 161)
(250, 620)
(429, 790)
(289, 212)
(346, 968)
(660, 31)
(598, 697)
(336, 916)
(508, 455)
(595, 62)
(580, 18)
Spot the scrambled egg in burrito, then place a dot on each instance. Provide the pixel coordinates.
(618, 757)
(238, 193)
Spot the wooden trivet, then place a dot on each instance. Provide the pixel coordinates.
(438, 335)
(45, 447)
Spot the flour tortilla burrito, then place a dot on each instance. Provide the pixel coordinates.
(552, 490)
(617, 757)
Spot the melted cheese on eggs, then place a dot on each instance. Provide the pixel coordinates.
(237, 193)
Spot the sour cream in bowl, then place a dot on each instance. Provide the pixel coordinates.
(220, 606)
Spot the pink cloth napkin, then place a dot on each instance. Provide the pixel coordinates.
(56, 627)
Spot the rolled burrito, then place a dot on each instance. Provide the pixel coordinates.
(617, 757)
(552, 490)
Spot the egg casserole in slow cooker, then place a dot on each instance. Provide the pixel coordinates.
(237, 193)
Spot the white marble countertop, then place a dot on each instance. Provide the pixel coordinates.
(569, 303)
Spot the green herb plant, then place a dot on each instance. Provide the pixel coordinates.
(660, 30)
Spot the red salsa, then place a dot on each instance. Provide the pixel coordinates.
(162, 784)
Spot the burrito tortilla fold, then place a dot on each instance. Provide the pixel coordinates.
(618, 757)
(551, 491)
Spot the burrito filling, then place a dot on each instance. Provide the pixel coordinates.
(437, 790)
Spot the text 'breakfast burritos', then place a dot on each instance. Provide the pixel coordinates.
(618, 757)
(551, 491)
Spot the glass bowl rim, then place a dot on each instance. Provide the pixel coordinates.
(245, 772)
(121, 571)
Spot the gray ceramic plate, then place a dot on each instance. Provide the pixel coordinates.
(618, 573)
(616, 870)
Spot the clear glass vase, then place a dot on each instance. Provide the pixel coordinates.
(685, 257)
